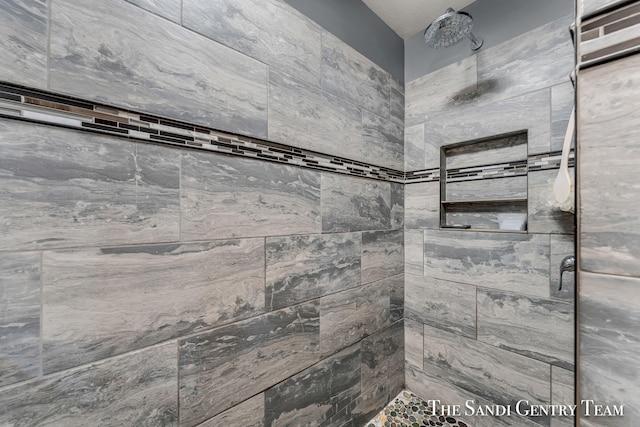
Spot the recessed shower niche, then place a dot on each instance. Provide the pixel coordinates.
(483, 184)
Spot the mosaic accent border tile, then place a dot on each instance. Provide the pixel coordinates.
(42, 107)
(409, 410)
(17, 102)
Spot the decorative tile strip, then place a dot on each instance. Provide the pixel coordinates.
(550, 160)
(426, 175)
(487, 171)
(41, 107)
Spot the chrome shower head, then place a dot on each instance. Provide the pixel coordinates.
(449, 29)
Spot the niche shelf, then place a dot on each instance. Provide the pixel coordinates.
(482, 182)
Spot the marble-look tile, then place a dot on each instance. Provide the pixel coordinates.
(305, 116)
(235, 197)
(562, 100)
(354, 204)
(383, 355)
(382, 254)
(351, 315)
(301, 268)
(447, 89)
(609, 157)
(19, 317)
(491, 373)
(271, 31)
(23, 42)
(249, 413)
(102, 302)
(160, 67)
(442, 304)
(65, 188)
(413, 343)
(609, 339)
(397, 205)
(540, 58)
(396, 102)
(502, 149)
(562, 393)
(413, 252)
(422, 205)
(414, 149)
(170, 9)
(316, 394)
(541, 329)
(136, 389)
(220, 368)
(543, 216)
(488, 189)
(561, 246)
(370, 402)
(382, 141)
(396, 285)
(586, 7)
(531, 112)
(352, 76)
(506, 261)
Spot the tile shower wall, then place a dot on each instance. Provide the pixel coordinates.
(484, 319)
(148, 285)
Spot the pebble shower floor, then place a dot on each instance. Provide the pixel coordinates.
(408, 410)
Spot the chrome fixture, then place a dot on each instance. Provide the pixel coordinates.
(567, 264)
(449, 29)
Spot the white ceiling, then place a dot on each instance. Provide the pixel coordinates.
(407, 17)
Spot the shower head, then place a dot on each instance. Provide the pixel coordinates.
(449, 29)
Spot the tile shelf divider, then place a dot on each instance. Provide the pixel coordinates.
(480, 201)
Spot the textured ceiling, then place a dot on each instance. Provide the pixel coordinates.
(407, 17)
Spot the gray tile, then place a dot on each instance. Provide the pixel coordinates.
(531, 112)
(414, 252)
(382, 255)
(488, 189)
(414, 149)
(354, 204)
(382, 141)
(609, 344)
(540, 58)
(447, 89)
(370, 402)
(562, 100)
(396, 284)
(349, 316)
(543, 216)
(19, 316)
(383, 355)
(351, 76)
(537, 328)
(609, 157)
(413, 343)
(159, 292)
(219, 88)
(397, 205)
(235, 197)
(220, 368)
(590, 6)
(496, 150)
(270, 31)
(23, 42)
(490, 373)
(561, 246)
(442, 304)
(249, 413)
(422, 205)
(562, 393)
(505, 261)
(56, 191)
(136, 389)
(396, 102)
(300, 268)
(305, 116)
(170, 9)
(315, 394)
